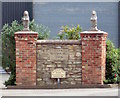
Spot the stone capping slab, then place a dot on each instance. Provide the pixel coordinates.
(25, 32)
(71, 42)
(94, 32)
(66, 86)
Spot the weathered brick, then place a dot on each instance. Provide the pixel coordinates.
(26, 58)
(93, 56)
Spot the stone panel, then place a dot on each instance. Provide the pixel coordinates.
(56, 54)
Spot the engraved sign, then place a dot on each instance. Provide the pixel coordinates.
(58, 54)
(58, 73)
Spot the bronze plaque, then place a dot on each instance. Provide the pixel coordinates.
(58, 73)
(58, 54)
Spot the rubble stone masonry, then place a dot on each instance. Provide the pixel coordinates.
(54, 54)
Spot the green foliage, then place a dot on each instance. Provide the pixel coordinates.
(8, 45)
(43, 31)
(112, 63)
(70, 33)
(118, 67)
(12, 78)
(8, 49)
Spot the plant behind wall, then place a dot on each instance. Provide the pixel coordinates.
(112, 63)
(71, 33)
(8, 45)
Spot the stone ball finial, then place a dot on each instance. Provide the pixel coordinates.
(26, 20)
(94, 21)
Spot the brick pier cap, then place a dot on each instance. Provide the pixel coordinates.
(93, 56)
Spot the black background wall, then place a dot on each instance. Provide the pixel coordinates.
(14, 11)
(0, 14)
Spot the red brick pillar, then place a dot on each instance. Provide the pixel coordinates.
(93, 56)
(26, 58)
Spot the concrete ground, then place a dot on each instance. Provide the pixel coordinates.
(3, 77)
(61, 92)
(56, 92)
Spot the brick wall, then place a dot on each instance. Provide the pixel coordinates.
(83, 61)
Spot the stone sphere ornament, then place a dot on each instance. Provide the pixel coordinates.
(26, 21)
(94, 21)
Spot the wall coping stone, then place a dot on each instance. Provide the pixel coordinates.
(26, 32)
(71, 42)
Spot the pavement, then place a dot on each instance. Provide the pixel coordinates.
(4, 76)
(61, 92)
(55, 92)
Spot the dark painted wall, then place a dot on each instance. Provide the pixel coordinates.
(0, 15)
(54, 15)
(14, 11)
